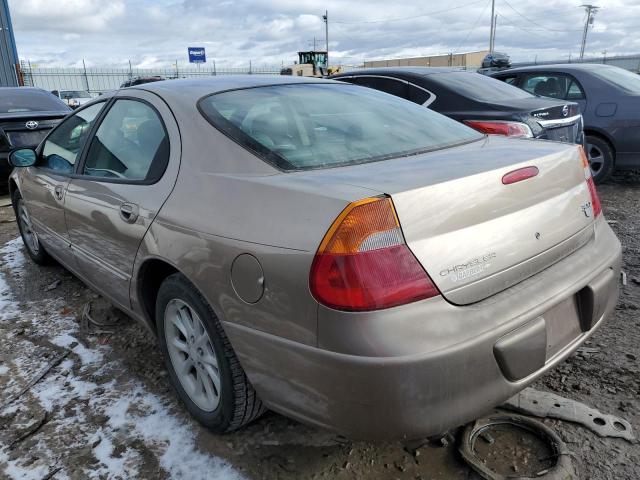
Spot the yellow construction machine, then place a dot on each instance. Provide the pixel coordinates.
(310, 64)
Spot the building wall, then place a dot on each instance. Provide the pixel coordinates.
(469, 59)
(8, 52)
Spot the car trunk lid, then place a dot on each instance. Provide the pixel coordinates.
(474, 235)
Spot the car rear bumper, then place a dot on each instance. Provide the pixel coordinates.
(420, 369)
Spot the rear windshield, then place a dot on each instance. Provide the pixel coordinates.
(15, 100)
(619, 77)
(306, 126)
(479, 87)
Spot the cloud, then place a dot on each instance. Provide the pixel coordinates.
(270, 32)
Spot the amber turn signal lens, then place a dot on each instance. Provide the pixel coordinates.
(364, 264)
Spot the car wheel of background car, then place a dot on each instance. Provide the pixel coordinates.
(29, 237)
(202, 365)
(600, 158)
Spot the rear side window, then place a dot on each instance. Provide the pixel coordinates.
(306, 126)
(130, 144)
(399, 88)
(559, 86)
(418, 95)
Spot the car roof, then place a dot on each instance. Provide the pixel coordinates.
(196, 88)
(22, 89)
(557, 67)
(417, 71)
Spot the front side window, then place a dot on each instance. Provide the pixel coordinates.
(131, 143)
(305, 126)
(64, 145)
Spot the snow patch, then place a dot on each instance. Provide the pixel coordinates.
(153, 423)
(87, 356)
(132, 412)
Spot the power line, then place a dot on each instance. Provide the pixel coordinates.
(474, 26)
(510, 23)
(536, 23)
(385, 20)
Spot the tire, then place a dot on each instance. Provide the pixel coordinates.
(29, 238)
(601, 158)
(179, 302)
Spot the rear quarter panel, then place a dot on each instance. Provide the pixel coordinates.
(227, 202)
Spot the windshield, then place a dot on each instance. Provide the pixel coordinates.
(479, 87)
(14, 100)
(67, 94)
(619, 77)
(305, 126)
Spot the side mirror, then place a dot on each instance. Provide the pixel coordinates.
(22, 157)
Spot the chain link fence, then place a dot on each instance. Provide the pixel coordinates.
(99, 80)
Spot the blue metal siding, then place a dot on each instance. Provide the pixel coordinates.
(8, 51)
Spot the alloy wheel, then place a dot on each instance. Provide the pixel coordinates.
(596, 159)
(192, 356)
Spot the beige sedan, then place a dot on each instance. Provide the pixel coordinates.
(331, 252)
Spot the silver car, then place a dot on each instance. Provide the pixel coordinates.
(327, 251)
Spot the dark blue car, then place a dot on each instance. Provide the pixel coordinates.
(609, 99)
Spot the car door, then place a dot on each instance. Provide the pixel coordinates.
(43, 186)
(127, 172)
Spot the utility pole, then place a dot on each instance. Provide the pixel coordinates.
(591, 11)
(493, 26)
(86, 78)
(325, 17)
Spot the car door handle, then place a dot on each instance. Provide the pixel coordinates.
(58, 192)
(129, 212)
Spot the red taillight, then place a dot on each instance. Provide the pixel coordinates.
(509, 129)
(364, 264)
(595, 200)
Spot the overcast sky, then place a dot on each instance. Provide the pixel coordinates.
(154, 33)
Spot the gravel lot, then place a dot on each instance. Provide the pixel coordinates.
(81, 401)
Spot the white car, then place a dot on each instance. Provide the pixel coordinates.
(73, 98)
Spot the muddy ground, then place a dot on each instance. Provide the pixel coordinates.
(80, 400)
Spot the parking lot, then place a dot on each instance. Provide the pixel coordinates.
(88, 396)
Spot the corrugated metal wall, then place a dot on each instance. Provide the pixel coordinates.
(468, 59)
(99, 80)
(8, 51)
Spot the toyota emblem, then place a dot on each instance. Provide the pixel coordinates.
(31, 124)
(565, 110)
